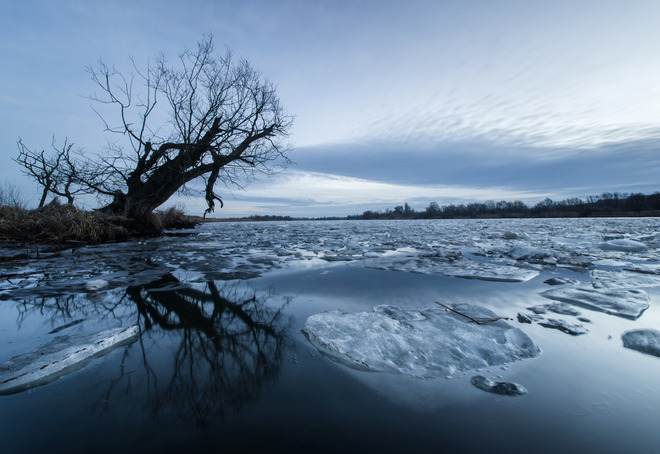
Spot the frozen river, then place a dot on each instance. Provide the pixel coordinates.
(327, 337)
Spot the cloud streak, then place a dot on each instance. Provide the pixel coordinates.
(312, 194)
(629, 166)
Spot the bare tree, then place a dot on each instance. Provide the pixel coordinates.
(10, 196)
(58, 171)
(203, 119)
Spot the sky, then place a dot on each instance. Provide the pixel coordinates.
(394, 101)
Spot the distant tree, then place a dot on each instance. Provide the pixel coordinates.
(545, 205)
(10, 196)
(636, 202)
(433, 210)
(407, 210)
(654, 201)
(58, 172)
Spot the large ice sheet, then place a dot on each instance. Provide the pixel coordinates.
(627, 303)
(422, 343)
(62, 355)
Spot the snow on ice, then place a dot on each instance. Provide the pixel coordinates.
(422, 343)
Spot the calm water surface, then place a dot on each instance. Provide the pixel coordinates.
(220, 363)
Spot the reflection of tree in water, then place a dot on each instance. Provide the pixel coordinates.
(230, 343)
(226, 343)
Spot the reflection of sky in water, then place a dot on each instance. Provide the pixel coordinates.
(216, 367)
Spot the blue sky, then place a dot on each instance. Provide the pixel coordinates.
(395, 101)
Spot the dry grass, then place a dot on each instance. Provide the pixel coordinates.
(57, 224)
(175, 218)
(65, 224)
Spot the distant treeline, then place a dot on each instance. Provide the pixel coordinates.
(605, 205)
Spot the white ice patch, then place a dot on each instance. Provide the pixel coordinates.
(624, 246)
(423, 343)
(62, 355)
(625, 303)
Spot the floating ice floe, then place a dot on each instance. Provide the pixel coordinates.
(96, 284)
(651, 239)
(643, 268)
(500, 387)
(557, 308)
(624, 246)
(488, 272)
(577, 263)
(533, 255)
(62, 355)
(627, 303)
(564, 326)
(453, 266)
(511, 235)
(643, 340)
(422, 343)
(623, 279)
(526, 318)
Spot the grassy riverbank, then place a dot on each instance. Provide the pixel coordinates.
(66, 224)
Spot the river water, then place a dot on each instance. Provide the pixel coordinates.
(219, 362)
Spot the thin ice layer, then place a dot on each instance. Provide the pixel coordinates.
(625, 303)
(62, 355)
(422, 343)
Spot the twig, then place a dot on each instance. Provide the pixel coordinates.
(482, 321)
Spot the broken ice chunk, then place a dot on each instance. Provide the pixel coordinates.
(452, 265)
(62, 355)
(500, 387)
(650, 268)
(557, 308)
(624, 246)
(67, 325)
(643, 340)
(510, 235)
(96, 284)
(623, 279)
(621, 302)
(423, 343)
(561, 281)
(563, 326)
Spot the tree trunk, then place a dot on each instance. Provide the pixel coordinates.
(42, 202)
